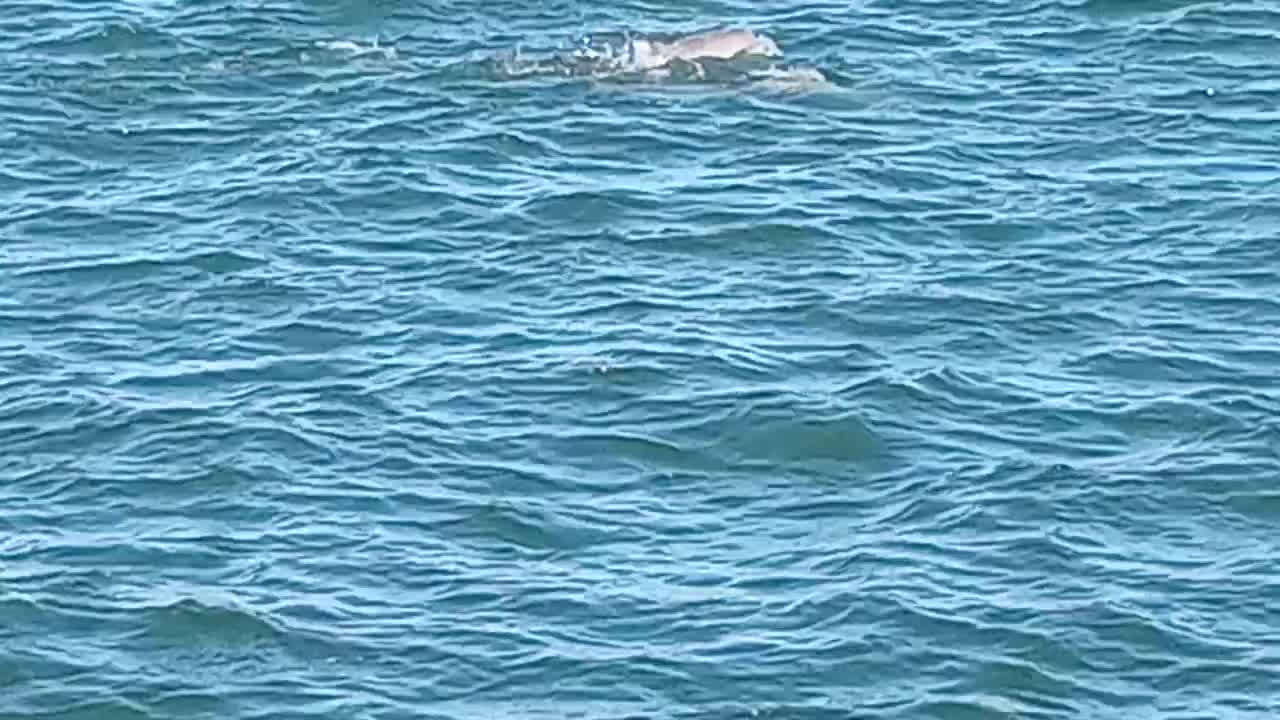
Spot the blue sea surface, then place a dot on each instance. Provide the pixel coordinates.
(407, 359)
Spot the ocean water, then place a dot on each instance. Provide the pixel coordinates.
(375, 360)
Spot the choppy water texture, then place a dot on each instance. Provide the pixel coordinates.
(420, 360)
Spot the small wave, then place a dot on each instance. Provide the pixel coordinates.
(118, 39)
(218, 623)
(110, 268)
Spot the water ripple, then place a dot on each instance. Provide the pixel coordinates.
(376, 360)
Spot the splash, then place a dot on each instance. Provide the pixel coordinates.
(351, 48)
(619, 59)
(791, 80)
(600, 58)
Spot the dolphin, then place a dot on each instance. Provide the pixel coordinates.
(721, 44)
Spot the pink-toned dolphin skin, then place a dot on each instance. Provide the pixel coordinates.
(723, 44)
(719, 44)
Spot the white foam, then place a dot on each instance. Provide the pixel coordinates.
(352, 47)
